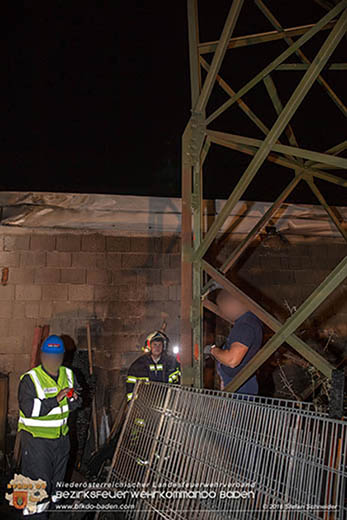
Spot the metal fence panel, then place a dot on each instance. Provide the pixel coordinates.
(224, 455)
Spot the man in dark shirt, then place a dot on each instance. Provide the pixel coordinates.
(243, 342)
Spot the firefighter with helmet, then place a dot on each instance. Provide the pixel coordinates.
(155, 365)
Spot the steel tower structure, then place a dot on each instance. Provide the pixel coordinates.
(306, 166)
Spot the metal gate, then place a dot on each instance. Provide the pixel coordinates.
(205, 454)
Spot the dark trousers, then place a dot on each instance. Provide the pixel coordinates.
(45, 459)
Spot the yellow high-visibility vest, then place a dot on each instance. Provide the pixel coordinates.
(54, 424)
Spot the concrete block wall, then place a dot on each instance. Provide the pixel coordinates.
(126, 286)
(280, 275)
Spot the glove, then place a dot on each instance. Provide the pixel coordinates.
(207, 349)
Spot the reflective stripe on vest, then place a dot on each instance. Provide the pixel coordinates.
(53, 424)
(174, 376)
(69, 377)
(39, 390)
(34, 422)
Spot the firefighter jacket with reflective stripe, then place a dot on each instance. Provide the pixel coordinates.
(166, 370)
(42, 423)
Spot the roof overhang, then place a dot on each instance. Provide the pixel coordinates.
(123, 214)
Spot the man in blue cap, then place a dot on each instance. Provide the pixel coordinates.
(46, 395)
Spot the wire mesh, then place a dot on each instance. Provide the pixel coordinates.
(205, 454)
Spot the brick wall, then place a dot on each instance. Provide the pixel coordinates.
(127, 285)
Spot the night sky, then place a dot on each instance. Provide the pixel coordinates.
(99, 95)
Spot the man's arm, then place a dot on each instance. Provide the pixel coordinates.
(136, 371)
(174, 372)
(130, 384)
(232, 357)
(28, 401)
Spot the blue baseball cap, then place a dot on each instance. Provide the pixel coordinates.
(53, 345)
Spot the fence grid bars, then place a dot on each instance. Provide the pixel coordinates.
(206, 454)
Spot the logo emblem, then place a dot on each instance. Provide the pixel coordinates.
(26, 493)
(20, 499)
(50, 390)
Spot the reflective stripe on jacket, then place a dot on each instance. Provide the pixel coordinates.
(166, 370)
(53, 424)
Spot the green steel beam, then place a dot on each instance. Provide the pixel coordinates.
(276, 24)
(235, 255)
(196, 309)
(218, 56)
(244, 107)
(323, 3)
(334, 160)
(304, 66)
(205, 150)
(332, 281)
(282, 161)
(265, 37)
(323, 166)
(193, 31)
(242, 246)
(195, 148)
(196, 322)
(196, 306)
(300, 346)
(280, 59)
(271, 88)
(287, 113)
(198, 129)
(186, 264)
(277, 103)
(189, 147)
(335, 150)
